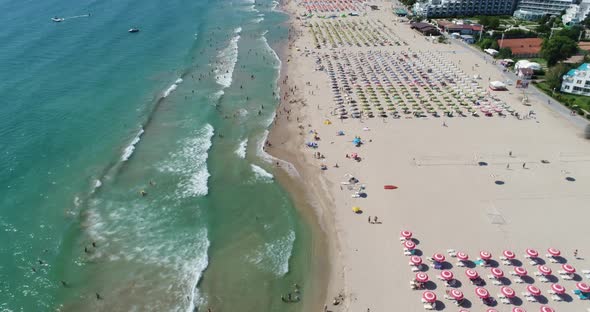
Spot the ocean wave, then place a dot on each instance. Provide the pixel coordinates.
(228, 58)
(190, 162)
(278, 62)
(262, 154)
(260, 174)
(128, 151)
(258, 20)
(172, 87)
(274, 6)
(241, 150)
(275, 255)
(217, 95)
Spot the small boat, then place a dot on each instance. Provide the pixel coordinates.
(390, 187)
(57, 19)
(133, 30)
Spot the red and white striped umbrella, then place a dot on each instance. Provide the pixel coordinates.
(532, 253)
(508, 292)
(438, 257)
(485, 255)
(544, 270)
(518, 309)
(568, 268)
(554, 251)
(462, 256)
(422, 277)
(497, 272)
(482, 292)
(509, 254)
(546, 309)
(491, 310)
(521, 271)
(456, 294)
(533, 290)
(472, 274)
(463, 310)
(406, 234)
(415, 260)
(558, 288)
(429, 296)
(446, 275)
(583, 287)
(409, 244)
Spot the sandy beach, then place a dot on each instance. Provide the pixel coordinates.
(464, 183)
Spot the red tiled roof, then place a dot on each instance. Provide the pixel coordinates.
(584, 45)
(524, 46)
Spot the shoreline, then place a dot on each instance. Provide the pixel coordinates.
(312, 199)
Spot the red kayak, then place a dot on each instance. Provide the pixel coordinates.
(390, 187)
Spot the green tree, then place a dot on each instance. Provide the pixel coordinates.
(558, 48)
(490, 22)
(572, 33)
(504, 53)
(554, 74)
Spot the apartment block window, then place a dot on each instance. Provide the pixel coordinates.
(579, 81)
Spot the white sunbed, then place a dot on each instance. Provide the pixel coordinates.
(507, 262)
(428, 306)
(497, 283)
(556, 298)
(512, 273)
(518, 280)
(543, 279)
(567, 277)
(531, 299)
(415, 269)
(460, 264)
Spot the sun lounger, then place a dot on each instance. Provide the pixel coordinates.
(407, 253)
(567, 277)
(553, 260)
(586, 271)
(551, 292)
(531, 299)
(460, 264)
(512, 273)
(518, 280)
(507, 262)
(538, 274)
(428, 306)
(497, 283)
(505, 301)
(415, 269)
(543, 279)
(556, 298)
(533, 262)
(503, 258)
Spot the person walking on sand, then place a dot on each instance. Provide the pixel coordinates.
(369, 219)
(576, 254)
(524, 165)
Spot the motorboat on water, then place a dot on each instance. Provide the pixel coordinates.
(57, 19)
(133, 30)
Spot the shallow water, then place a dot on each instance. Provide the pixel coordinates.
(94, 117)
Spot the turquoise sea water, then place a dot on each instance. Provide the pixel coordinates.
(92, 115)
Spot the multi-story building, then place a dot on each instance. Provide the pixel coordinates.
(576, 13)
(446, 8)
(577, 81)
(533, 9)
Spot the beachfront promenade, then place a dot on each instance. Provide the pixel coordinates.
(469, 171)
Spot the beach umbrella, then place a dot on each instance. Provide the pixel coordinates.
(471, 274)
(415, 260)
(521, 271)
(409, 244)
(509, 254)
(429, 296)
(482, 292)
(406, 234)
(546, 309)
(558, 288)
(544, 270)
(485, 255)
(533, 290)
(554, 252)
(497, 272)
(462, 256)
(422, 277)
(356, 209)
(446, 275)
(532, 253)
(518, 309)
(508, 292)
(456, 294)
(438, 257)
(568, 268)
(491, 310)
(583, 287)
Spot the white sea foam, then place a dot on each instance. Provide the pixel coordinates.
(128, 151)
(274, 5)
(241, 150)
(190, 163)
(217, 95)
(274, 255)
(260, 152)
(229, 58)
(172, 87)
(258, 20)
(97, 184)
(271, 51)
(260, 174)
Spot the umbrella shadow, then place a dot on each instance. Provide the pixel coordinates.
(440, 305)
(542, 299)
(466, 304)
(566, 298)
(457, 283)
(552, 278)
(470, 264)
(560, 259)
(505, 281)
(446, 265)
(418, 252)
(416, 241)
(430, 285)
(493, 263)
(424, 267)
(577, 277)
(516, 262)
(540, 261)
(516, 301)
(527, 279)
